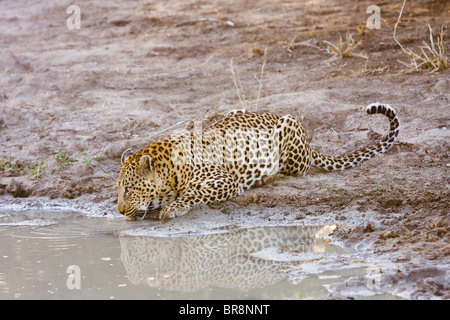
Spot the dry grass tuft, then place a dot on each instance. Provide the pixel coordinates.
(432, 55)
(344, 49)
(244, 102)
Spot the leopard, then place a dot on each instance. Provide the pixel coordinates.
(219, 162)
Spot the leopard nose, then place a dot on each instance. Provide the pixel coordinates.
(120, 208)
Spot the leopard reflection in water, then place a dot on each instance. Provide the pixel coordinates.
(224, 259)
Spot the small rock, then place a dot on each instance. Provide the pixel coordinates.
(369, 228)
(114, 150)
(389, 234)
(17, 190)
(300, 216)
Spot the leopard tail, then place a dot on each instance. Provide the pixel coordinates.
(356, 157)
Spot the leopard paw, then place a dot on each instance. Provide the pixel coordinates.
(166, 213)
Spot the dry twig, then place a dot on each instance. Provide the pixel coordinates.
(243, 101)
(197, 20)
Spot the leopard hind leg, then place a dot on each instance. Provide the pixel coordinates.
(294, 150)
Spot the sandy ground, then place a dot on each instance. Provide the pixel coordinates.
(71, 101)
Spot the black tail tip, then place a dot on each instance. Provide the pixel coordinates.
(382, 108)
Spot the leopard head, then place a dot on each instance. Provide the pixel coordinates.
(138, 184)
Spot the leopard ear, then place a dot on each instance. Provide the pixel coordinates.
(125, 155)
(145, 163)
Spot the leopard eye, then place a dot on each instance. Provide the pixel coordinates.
(125, 193)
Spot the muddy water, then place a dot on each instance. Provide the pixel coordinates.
(65, 255)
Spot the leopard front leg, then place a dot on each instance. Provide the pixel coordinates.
(220, 187)
(179, 207)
